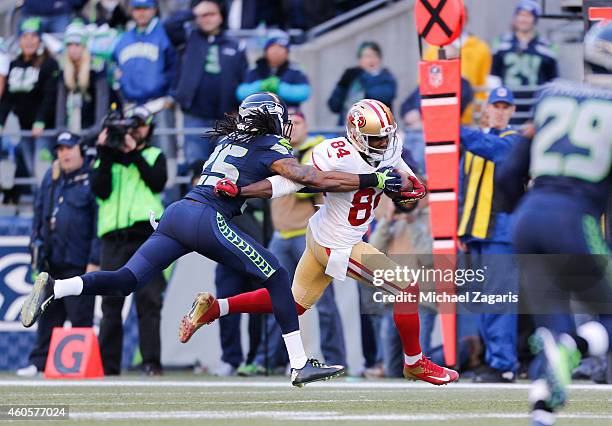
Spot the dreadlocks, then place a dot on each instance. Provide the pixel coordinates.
(243, 130)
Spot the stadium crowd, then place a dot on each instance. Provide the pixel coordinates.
(176, 59)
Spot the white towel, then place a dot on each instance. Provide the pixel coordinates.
(338, 263)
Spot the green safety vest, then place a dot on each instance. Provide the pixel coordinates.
(131, 199)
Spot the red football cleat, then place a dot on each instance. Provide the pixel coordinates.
(204, 310)
(430, 372)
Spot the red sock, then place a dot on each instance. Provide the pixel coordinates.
(406, 318)
(255, 302)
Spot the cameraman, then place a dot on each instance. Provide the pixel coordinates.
(128, 178)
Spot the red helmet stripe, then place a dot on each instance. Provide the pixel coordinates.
(382, 122)
(382, 106)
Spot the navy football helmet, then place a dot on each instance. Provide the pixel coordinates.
(272, 104)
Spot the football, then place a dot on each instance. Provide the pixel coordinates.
(406, 185)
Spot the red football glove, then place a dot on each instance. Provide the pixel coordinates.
(226, 188)
(418, 191)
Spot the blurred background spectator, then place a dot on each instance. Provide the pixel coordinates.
(211, 68)
(64, 240)
(30, 94)
(275, 73)
(368, 80)
(83, 92)
(146, 58)
(524, 59)
(54, 15)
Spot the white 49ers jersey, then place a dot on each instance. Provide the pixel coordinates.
(344, 218)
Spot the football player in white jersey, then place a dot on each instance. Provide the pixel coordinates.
(334, 245)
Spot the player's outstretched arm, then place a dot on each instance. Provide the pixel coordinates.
(297, 176)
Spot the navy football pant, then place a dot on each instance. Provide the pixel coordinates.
(563, 257)
(188, 226)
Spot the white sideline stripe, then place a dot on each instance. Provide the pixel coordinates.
(439, 101)
(273, 402)
(16, 326)
(311, 415)
(279, 384)
(442, 196)
(14, 241)
(441, 149)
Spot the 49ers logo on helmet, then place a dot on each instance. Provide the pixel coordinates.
(357, 119)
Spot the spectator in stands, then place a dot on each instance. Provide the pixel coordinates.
(145, 57)
(212, 66)
(64, 240)
(290, 215)
(523, 58)
(30, 94)
(367, 80)
(275, 73)
(129, 169)
(484, 232)
(54, 15)
(476, 60)
(83, 93)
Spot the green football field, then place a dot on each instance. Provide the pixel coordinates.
(181, 399)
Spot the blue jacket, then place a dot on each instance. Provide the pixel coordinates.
(293, 88)
(195, 47)
(147, 61)
(73, 241)
(52, 7)
(356, 84)
(483, 154)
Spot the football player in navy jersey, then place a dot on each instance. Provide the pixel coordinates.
(251, 146)
(569, 160)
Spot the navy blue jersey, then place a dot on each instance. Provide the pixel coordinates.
(242, 163)
(524, 65)
(571, 153)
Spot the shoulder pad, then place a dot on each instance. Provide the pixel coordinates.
(277, 143)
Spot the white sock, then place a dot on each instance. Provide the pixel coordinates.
(295, 349)
(596, 336)
(223, 307)
(412, 359)
(70, 287)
